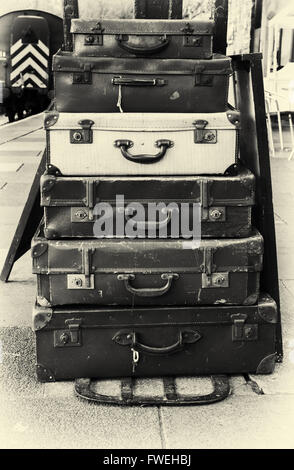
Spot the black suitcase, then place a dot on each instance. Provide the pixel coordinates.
(147, 272)
(165, 39)
(71, 203)
(93, 342)
(97, 85)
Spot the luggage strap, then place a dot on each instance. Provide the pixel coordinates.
(221, 390)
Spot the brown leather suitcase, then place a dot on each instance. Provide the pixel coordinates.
(93, 342)
(133, 272)
(108, 85)
(164, 39)
(72, 204)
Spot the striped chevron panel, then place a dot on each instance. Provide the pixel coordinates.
(29, 65)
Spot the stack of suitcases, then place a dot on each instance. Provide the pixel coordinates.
(142, 117)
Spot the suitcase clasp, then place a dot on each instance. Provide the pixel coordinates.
(193, 41)
(210, 278)
(202, 78)
(84, 77)
(84, 135)
(71, 336)
(96, 38)
(203, 135)
(242, 331)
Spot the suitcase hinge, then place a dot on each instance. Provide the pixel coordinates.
(85, 280)
(242, 331)
(84, 135)
(211, 279)
(95, 39)
(202, 135)
(71, 336)
(84, 77)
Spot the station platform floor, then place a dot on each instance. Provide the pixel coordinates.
(47, 416)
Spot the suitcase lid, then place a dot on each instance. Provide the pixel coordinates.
(146, 256)
(218, 65)
(58, 191)
(265, 311)
(142, 122)
(142, 27)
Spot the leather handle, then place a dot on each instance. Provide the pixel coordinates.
(148, 291)
(126, 81)
(145, 50)
(130, 338)
(149, 224)
(125, 145)
(158, 351)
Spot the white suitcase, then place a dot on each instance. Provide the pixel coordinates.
(141, 144)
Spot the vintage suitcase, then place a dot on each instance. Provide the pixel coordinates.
(108, 85)
(142, 144)
(93, 342)
(165, 39)
(73, 204)
(143, 271)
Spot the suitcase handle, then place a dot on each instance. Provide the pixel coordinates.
(145, 50)
(125, 81)
(148, 291)
(124, 145)
(149, 224)
(130, 338)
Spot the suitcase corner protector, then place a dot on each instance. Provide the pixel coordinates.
(52, 170)
(47, 182)
(41, 316)
(234, 117)
(267, 365)
(251, 299)
(37, 248)
(267, 310)
(44, 374)
(51, 119)
(50, 233)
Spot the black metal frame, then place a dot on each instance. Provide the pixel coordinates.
(221, 390)
(249, 92)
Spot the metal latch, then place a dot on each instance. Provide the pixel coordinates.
(242, 331)
(203, 135)
(70, 336)
(84, 135)
(210, 278)
(84, 77)
(193, 41)
(80, 281)
(95, 39)
(215, 280)
(86, 279)
(202, 79)
(86, 214)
